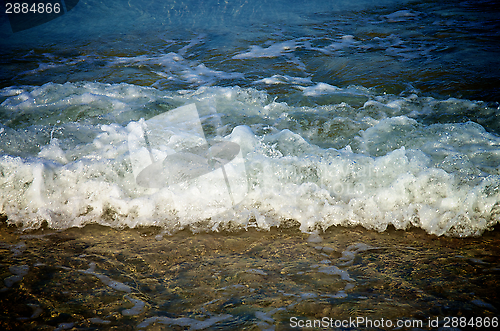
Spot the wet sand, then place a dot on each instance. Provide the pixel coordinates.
(98, 278)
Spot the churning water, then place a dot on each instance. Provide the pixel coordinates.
(233, 164)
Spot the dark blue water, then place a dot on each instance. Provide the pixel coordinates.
(447, 48)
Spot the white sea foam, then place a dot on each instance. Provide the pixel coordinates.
(324, 89)
(171, 66)
(401, 16)
(333, 270)
(138, 308)
(345, 42)
(175, 67)
(273, 50)
(115, 285)
(284, 79)
(392, 44)
(375, 164)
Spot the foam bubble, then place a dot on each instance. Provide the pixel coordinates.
(274, 50)
(284, 79)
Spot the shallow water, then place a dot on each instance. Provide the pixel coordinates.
(233, 165)
(100, 278)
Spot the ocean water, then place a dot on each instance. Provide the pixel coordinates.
(233, 165)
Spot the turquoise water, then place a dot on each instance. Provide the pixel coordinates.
(231, 117)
